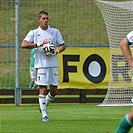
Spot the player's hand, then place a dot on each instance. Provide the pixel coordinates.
(48, 54)
(55, 52)
(43, 42)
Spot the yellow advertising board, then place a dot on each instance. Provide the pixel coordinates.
(84, 68)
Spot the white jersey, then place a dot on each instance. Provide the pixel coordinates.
(130, 37)
(37, 35)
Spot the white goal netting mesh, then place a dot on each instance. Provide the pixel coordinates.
(118, 17)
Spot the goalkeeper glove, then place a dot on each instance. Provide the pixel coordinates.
(54, 52)
(39, 44)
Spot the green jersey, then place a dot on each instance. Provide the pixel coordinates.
(32, 57)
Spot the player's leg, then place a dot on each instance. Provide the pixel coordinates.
(126, 123)
(42, 102)
(50, 96)
(42, 81)
(54, 81)
(35, 85)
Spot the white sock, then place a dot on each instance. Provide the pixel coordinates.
(42, 102)
(128, 120)
(49, 99)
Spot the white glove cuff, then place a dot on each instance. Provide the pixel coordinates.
(38, 44)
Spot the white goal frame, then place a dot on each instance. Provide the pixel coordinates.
(118, 17)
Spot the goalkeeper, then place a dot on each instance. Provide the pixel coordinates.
(126, 122)
(32, 84)
(46, 64)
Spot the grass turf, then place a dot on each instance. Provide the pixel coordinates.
(64, 118)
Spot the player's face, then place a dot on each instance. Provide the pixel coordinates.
(43, 20)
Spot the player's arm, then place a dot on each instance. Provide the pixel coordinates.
(29, 45)
(61, 48)
(60, 41)
(26, 44)
(125, 47)
(28, 41)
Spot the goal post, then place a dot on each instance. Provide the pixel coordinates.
(118, 18)
(18, 91)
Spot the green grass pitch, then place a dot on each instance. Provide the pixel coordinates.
(64, 118)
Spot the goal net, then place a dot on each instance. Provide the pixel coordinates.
(118, 17)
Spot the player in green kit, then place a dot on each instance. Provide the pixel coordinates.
(32, 84)
(126, 122)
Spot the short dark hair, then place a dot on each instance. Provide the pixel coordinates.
(41, 13)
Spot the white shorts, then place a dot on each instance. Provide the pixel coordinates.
(32, 72)
(47, 76)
